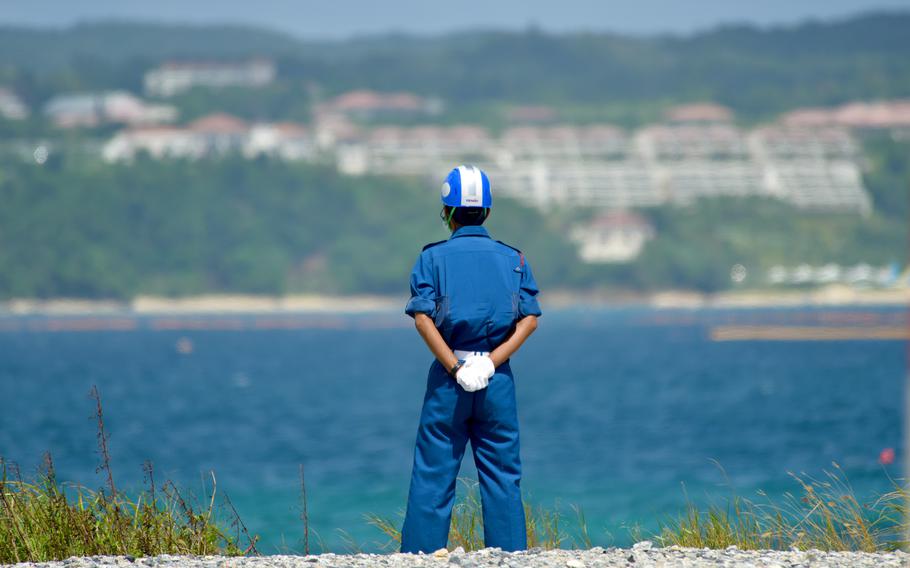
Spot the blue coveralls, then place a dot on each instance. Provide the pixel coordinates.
(475, 289)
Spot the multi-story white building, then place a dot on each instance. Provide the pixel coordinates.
(603, 166)
(159, 142)
(863, 274)
(93, 109)
(614, 236)
(372, 105)
(412, 151)
(213, 135)
(11, 106)
(174, 77)
(285, 140)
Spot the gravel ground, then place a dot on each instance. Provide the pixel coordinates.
(641, 555)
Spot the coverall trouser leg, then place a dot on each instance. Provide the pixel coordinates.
(450, 417)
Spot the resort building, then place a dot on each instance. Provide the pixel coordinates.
(158, 142)
(11, 106)
(700, 113)
(603, 166)
(862, 274)
(94, 109)
(214, 135)
(285, 140)
(858, 115)
(175, 77)
(369, 106)
(220, 133)
(612, 237)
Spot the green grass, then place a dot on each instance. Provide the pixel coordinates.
(43, 520)
(546, 528)
(825, 514)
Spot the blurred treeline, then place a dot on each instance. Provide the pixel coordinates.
(84, 228)
(76, 226)
(588, 76)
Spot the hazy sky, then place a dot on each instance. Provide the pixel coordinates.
(341, 18)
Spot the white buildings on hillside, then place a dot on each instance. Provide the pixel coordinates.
(858, 274)
(175, 77)
(416, 151)
(93, 109)
(220, 133)
(213, 135)
(285, 140)
(697, 153)
(603, 166)
(11, 106)
(159, 142)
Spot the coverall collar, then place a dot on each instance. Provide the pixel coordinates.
(470, 231)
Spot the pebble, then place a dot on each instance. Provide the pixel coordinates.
(642, 555)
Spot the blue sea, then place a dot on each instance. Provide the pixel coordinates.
(625, 413)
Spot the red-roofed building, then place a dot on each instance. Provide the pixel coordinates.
(371, 105)
(881, 114)
(531, 114)
(219, 123)
(220, 133)
(700, 113)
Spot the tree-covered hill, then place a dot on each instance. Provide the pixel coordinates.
(757, 71)
(83, 228)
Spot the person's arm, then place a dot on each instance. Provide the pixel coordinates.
(431, 336)
(523, 329)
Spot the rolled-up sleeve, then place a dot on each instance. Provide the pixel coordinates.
(423, 289)
(527, 294)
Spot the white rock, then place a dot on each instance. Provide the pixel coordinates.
(575, 563)
(441, 553)
(643, 545)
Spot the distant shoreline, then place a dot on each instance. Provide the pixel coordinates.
(217, 304)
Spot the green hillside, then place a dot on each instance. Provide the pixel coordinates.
(82, 228)
(756, 71)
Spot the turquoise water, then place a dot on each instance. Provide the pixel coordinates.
(623, 412)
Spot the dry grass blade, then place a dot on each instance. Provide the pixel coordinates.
(825, 515)
(40, 520)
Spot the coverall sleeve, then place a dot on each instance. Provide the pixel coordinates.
(423, 289)
(527, 294)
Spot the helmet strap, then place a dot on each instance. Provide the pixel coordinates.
(449, 219)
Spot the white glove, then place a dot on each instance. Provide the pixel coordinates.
(483, 364)
(469, 378)
(475, 374)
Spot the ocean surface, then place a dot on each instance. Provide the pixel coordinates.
(625, 413)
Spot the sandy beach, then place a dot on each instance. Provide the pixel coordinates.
(833, 296)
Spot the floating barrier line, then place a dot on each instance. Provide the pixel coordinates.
(807, 333)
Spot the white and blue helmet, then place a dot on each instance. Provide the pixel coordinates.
(467, 186)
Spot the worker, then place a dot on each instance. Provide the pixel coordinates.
(473, 300)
